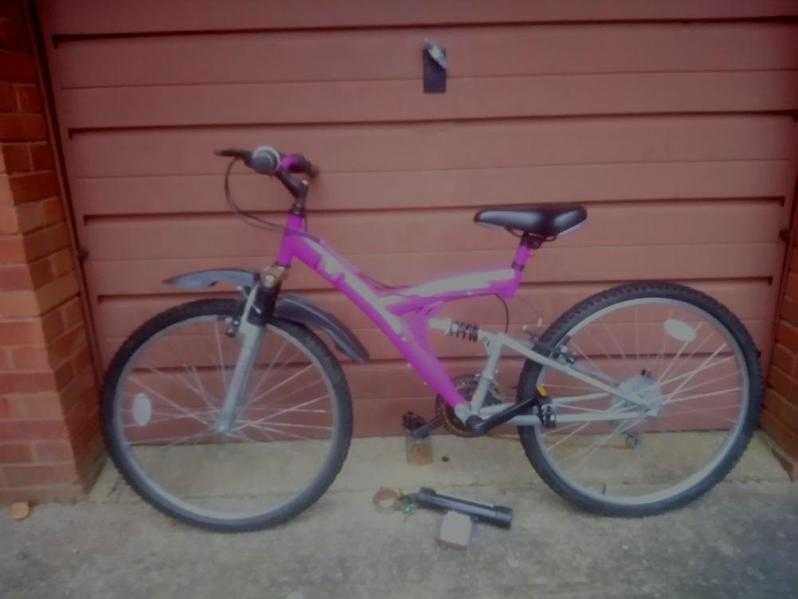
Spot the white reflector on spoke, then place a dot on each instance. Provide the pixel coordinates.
(142, 409)
(680, 330)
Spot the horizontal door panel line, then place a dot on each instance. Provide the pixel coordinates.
(224, 214)
(525, 285)
(404, 255)
(81, 131)
(762, 16)
(419, 79)
(248, 175)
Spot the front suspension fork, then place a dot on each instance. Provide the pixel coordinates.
(258, 310)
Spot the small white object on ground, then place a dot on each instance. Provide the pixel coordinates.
(455, 530)
(20, 510)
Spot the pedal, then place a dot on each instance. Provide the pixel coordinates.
(417, 427)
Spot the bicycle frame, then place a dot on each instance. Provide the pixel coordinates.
(406, 314)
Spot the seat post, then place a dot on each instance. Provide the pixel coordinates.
(523, 253)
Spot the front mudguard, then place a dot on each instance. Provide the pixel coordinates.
(288, 307)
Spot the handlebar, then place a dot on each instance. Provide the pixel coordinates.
(266, 160)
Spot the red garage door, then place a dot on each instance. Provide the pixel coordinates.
(671, 120)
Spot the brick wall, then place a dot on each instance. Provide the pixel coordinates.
(780, 414)
(49, 436)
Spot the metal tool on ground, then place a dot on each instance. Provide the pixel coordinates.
(497, 515)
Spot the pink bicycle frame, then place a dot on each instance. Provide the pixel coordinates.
(402, 313)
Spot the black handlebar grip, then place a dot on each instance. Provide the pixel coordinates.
(233, 153)
(297, 163)
(296, 187)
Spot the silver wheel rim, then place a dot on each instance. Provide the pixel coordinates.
(162, 491)
(595, 492)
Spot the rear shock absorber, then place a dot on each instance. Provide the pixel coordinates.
(464, 330)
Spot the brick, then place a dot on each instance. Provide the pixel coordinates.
(16, 158)
(28, 382)
(48, 493)
(52, 211)
(785, 438)
(35, 406)
(15, 452)
(81, 391)
(19, 68)
(12, 249)
(787, 335)
(67, 345)
(41, 155)
(783, 358)
(33, 186)
(9, 221)
(18, 303)
(13, 430)
(26, 218)
(72, 312)
(30, 358)
(784, 409)
(31, 276)
(44, 242)
(83, 360)
(15, 277)
(61, 262)
(52, 451)
(22, 331)
(57, 292)
(782, 382)
(29, 98)
(21, 127)
(39, 474)
(8, 100)
(31, 331)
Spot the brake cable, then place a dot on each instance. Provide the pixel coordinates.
(251, 218)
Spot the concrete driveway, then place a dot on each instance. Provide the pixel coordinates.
(741, 540)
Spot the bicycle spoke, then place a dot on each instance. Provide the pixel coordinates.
(690, 382)
(700, 396)
(288, 410)
(222, 368)
(693, 372)
(174, 404)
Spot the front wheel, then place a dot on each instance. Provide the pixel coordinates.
(161, 418)
(693, 371)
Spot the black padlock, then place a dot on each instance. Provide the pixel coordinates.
(435, 66)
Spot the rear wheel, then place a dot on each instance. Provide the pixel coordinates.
(694, 372)
(161, 403)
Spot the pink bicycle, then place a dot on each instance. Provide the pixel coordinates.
(232, 414)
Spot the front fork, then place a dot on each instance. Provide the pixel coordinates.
(258, 311)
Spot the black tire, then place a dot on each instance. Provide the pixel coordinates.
(224, 308)
(584, 309)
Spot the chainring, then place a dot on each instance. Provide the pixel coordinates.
(466, 384)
